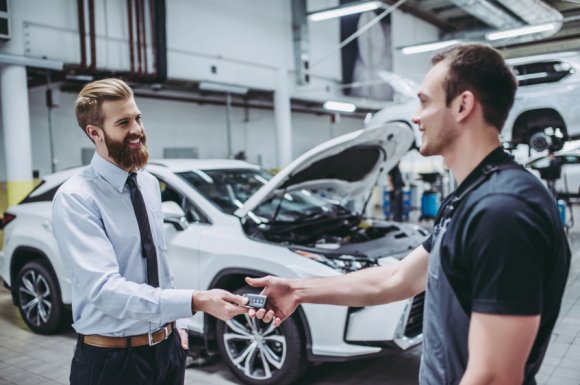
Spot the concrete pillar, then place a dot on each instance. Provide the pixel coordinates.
(16, 125)
(282, 112)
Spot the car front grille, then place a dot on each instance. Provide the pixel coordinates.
(415, 320)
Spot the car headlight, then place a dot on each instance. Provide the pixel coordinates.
(342, 263)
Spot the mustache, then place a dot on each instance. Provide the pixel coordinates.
(131, 137)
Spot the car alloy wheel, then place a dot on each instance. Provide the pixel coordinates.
(38, 298)
(255, 348)
(259, 353)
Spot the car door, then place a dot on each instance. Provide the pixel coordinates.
(183, 244)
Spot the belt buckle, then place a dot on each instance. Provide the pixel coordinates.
(150, 336)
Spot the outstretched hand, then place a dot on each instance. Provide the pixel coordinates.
(220, 303)
(282, 300)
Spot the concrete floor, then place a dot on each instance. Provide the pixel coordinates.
(27, 358)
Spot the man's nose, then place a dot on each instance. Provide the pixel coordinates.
(136, 128)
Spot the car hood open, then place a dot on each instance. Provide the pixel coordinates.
(349, 166)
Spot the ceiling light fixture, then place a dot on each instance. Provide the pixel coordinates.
(348, 9)
(419, 48)
(520, 31)
(221, 87)
(339, 106)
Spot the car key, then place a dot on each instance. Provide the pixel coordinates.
(255, 301)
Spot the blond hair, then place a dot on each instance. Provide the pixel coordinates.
(90, 99)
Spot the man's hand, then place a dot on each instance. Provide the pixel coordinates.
(282, 299)
(219, 303)
(184, 338)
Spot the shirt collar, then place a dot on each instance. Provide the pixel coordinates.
(496, 157)
(112, 173)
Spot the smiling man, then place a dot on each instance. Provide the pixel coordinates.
(494, 268)
(108, 223)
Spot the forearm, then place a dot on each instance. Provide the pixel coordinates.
(486, 377)
(367, 287)
(370, 286)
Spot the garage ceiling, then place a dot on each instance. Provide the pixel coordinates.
(455, 21)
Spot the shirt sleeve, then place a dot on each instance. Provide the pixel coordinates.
(91, 260)
(428, 243)
(506, 241)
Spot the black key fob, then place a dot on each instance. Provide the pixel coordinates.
(255, 301)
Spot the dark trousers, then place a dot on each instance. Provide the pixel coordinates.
(161, 364)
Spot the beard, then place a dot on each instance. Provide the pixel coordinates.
(439, 141)
(124, 155)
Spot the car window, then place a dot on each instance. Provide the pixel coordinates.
(542, 72)
(229, 189)
(570, 159)
(540, 163)
(46, 196)
(192, 212)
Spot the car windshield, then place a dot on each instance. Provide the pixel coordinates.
(229, 189)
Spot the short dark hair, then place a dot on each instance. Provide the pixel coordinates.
(482, 70)
(90, 99)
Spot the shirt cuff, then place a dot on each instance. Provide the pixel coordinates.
(176, 303)
(181, 323)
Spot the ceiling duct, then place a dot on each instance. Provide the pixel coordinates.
(487, 12)
(533, 12)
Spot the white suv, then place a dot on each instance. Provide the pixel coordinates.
(545, 102)
(229, 219)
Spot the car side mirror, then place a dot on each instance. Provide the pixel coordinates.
(174, 214)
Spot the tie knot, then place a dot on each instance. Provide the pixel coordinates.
(132, 179)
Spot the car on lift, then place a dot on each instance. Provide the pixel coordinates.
(228, 219)
(544, 114)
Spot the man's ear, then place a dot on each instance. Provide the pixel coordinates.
(464, 105)
(95, 133)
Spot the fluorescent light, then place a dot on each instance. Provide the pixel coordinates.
(81, 78)
(429, 47)
(514, 32)
(344, 10)
(339, 106)
(538, 75)
(220, 87)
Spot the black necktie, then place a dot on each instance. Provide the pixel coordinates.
(147, 244)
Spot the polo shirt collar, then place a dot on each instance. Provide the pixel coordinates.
(496, 157)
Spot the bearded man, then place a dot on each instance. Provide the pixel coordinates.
(108, 223)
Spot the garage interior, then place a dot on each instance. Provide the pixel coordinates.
(252, 80)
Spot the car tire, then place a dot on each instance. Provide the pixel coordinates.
(38, 298)
(259, 354)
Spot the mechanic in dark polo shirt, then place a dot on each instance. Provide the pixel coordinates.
(494, 268)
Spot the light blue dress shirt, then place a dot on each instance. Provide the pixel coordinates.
(98, 237)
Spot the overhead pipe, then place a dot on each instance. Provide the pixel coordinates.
(82, 33)
(138, 33)
(160, 41)
(152, 29)
(143, 70)
(131, 41)
(93, 36)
